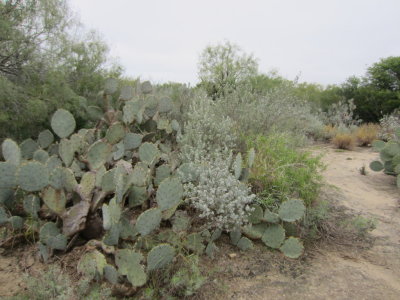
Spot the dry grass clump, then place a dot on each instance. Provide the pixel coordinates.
(345, 141)
(366, 134)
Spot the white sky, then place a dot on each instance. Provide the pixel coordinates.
(324, 41)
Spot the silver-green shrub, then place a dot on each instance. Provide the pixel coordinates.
(389, 124)
(342, 114)
(278, 109)
(205, 132)
(221, 199)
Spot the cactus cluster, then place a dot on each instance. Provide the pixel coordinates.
(126, 172)
(270, 227)
(389, 154)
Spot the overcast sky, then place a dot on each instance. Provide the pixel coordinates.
(323, 41)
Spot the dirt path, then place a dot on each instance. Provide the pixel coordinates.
(355, 273)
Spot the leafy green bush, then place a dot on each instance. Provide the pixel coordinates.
(281, 172)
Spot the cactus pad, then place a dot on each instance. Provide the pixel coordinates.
(45, 139)
(54, 199)
(111, 274)
(48, 230)
(160, 256)
(165, 105)
(69, 181)
(110, 85)
(244, 244)
(194, 242)
(63, 123)
(111, 214)
(255, 231)
(66, 151)
(273, 236)
(169, 193)
(162, 172)
(180, 221)
(148, 221)
(292, 248)
(148, 153)
(33, 176)
(28, 147)
(11, 152)
(58, 242)
(271, 217)
(292, 210)
(376, 166)
(41, 156)
(235, 237)
(137, 195)
(7, 175)
(115, 133)
(146, 87)
(256, 215)
(132, 141)
(128, 263)
(16, 222)
(126, 93)
(92, 263)
(97, 154)
(140, 175)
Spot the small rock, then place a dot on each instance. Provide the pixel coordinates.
(232, 255)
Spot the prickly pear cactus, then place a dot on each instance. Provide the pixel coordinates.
(389, 154)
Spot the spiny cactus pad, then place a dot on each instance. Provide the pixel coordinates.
(128, 263)
(160, 256)
(33, 176)
(255, 231)
(292, 248)
(66, 151)
(41, 156)
(111, 214)
(376, 166)
(244, 244)
(28, 147)
(256, 215)
(140, 175)
(54, 199)
(45, 139)
(148, 153)
(137, 195)
(235, 237)
(194, 242)
(92, 263)
(115, 133)
(271, 217)
(132, 140)
(273, 236)
(180, 221)
(11, 152)
(110, 85)
(48, 230)
(169, 193)
(63, 123)
(7, 175)
(148, 221)
(111, 274)
(292, 210)
(162, 172)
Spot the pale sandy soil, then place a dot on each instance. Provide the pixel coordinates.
(328, 271)
(333, 272)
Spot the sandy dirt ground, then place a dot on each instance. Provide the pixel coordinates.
(328, 271)
(332, 272)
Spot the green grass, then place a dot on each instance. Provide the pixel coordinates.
(281, 171)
